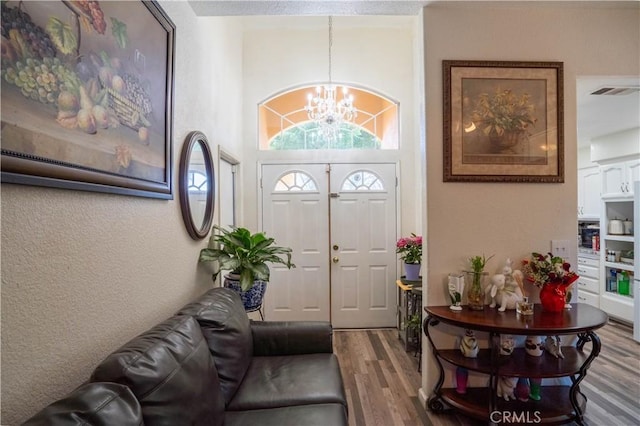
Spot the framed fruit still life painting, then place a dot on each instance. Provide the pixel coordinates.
(503, 121)
(87, 96)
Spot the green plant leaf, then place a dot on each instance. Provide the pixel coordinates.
(62, 35)
(119, 31)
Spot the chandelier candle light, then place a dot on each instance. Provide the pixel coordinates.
(325, 108)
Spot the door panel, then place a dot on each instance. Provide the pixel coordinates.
(297, 218)
(363, 229)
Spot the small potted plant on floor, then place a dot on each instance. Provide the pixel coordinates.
(246, 256)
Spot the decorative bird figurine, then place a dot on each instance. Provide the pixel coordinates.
(469, 344)
(553, 345)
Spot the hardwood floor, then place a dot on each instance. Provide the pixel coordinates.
(382, 381)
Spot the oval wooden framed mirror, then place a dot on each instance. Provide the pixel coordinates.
(197, 185)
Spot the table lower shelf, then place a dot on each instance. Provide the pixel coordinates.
(554, 406)
(520, 364)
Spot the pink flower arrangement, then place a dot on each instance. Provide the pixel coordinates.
(410, 248)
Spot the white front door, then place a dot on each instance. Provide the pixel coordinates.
(294, 212)
(340, 221)
(363, 231)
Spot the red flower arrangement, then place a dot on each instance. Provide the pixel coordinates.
(544, 269)
(553, 275)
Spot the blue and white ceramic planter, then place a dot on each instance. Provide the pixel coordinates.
(252, 298)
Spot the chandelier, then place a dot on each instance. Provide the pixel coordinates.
(324, 108)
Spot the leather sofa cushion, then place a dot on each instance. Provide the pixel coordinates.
(171, 373)
(307, 415)
(277, 381)
(95, 404)
(226, 327)
(291, 337)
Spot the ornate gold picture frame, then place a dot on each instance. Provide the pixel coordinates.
(87, 96)
(503, 121)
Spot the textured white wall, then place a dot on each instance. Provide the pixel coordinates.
(511, 220)
(84, 272)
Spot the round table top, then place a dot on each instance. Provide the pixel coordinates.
(579, 318)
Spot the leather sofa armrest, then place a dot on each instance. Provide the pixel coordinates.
(271, 338)
(93, 403)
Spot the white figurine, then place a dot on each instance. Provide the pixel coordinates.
(456, 288)
(553, 345)
(469, 344)
(534, 345)
(507, 344)
(506, 387)
(507, 288)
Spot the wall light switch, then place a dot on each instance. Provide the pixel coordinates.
(561, 248)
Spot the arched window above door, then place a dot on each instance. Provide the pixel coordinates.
(283, 123)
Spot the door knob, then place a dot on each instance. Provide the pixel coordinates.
(335, 259)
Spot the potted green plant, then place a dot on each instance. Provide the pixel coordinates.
(246, 256)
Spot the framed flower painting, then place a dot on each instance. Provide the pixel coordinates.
(503, 121)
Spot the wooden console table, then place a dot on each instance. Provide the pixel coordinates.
(559, 404)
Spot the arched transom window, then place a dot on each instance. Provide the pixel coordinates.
(285, 125)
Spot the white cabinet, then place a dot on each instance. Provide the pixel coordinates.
(615, 299)
(588, 284)
(589, 189)
(618, 178)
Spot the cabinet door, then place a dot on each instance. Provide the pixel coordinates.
(613, 180)
(633, 174)
(589, 298)
(589, 189)
(588, 284)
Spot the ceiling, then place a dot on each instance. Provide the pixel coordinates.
(305, 8)
(605, 114)
(596, 115)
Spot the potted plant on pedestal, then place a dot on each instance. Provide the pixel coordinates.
(410, 251)
(246, 256)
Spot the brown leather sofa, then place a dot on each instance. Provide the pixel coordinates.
(210, 365)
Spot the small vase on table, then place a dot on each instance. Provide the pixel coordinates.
(553, 295)
(476, 294)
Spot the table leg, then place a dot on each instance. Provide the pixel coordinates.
(589, 336)
(435, 402)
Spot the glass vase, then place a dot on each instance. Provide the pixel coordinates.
(475, 293)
